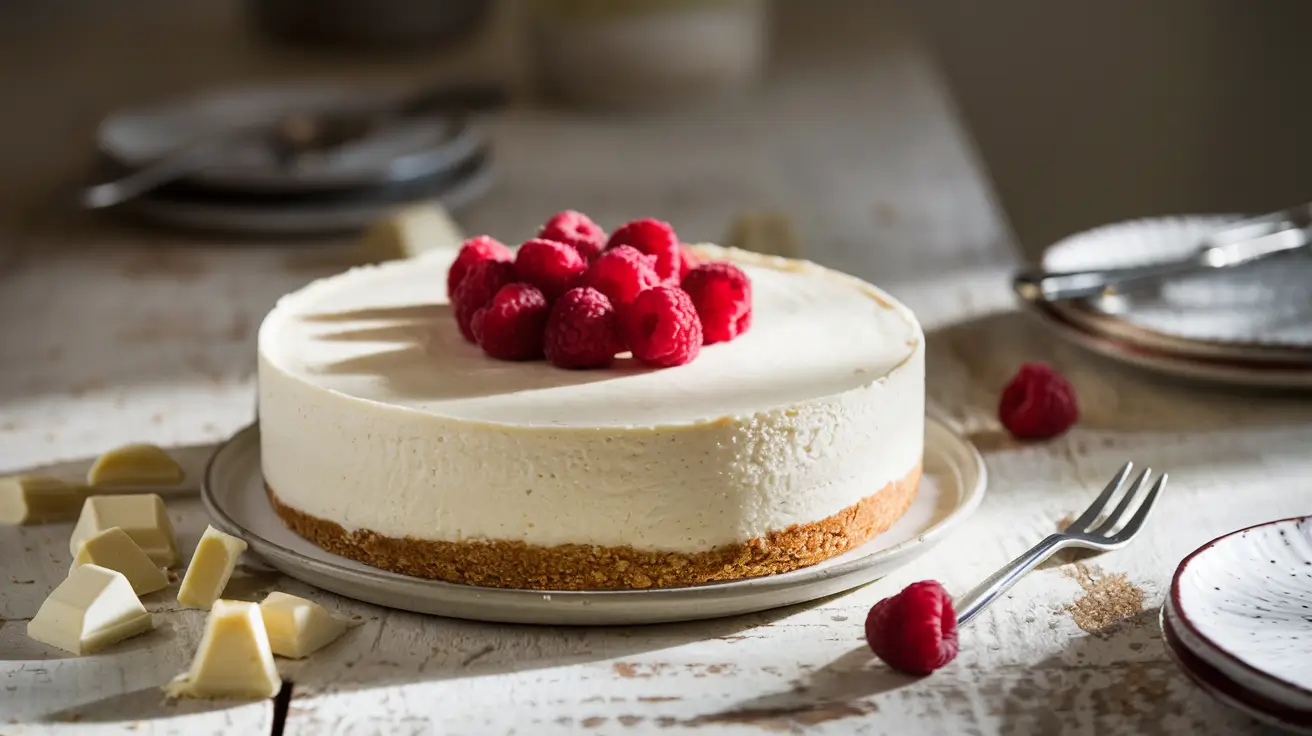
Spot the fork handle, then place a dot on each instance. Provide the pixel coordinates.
(969, 605)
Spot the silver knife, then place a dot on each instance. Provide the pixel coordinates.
(1247, 241)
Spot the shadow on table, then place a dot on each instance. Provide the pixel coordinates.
(138, 705)
(841, 689)
(1119, 679)
(969, 363)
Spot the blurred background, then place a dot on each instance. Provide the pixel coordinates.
(890, 136)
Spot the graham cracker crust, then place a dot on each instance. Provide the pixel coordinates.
(509, 564)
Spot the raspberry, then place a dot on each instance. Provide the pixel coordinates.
(722, 294)
(510, 327)
(1038, 403)
(621, 274)
(576, 230)
(661, 327)
(915, 631)
(480, 284)
(687, 262)
(583, 330)
(481, 248)
(653, 237)
(552, 267)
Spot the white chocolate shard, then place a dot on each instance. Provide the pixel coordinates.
(115, 550)
(39, 499)
(211, 567)
(298, 627)
(142, 516)
(234, 660)
(135, 465)
(93, 608)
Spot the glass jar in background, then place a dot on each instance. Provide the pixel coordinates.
(647, 54)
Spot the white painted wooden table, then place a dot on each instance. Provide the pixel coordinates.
(110, 335)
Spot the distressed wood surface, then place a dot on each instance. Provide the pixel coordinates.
(110, 334)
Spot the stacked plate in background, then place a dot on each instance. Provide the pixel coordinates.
(1250, 325)
(441, 159)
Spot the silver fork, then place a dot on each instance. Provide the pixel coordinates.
(1091, 531)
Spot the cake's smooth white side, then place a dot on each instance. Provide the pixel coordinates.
(376, 415)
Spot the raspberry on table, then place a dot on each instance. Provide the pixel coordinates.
(722, 294)
(1038, 403)
(687, 262)
(482, 282)
(661, 327)
(552, 267)
(621, 274)
(655, 238)
(510, 327)
(576, 230)
(481, 248)
(915, 631)
(583, 330)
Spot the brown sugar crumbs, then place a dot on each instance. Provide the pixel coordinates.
(1107, 600)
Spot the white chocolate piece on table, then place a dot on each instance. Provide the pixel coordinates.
(211, 566)
(234, 659)
(135, 465)
(39, 499)
(410, 231)
(115, 550)
(142, 516)
(297, 627)
(93, 608)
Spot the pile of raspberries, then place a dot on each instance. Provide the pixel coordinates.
(578, 297)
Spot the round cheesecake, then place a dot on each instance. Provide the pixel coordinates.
(389, 439)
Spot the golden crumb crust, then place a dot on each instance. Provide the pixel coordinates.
(509, 564)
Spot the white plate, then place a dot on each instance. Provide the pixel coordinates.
(952, 488)
(1242, 604)
(1216, 370)
(405, 151)
(1259, 312)
(308, 216)
(1227, 691)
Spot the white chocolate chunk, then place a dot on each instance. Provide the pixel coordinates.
(115, 550)
(39, 499)
(135, 465)
(93, 608)
(234, 659)
(142, 516)
(211, 567)
(412, 231)
(297, 627)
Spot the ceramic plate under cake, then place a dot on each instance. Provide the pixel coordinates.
(952, 487)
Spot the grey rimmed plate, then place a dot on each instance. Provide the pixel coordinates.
(951, 490)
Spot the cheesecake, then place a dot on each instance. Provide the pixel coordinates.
(389, 439)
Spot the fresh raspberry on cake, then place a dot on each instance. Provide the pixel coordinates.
(583, 330)
(661, 327)
(511, 326)
(722, 294)
(915, 631)
(479, 285)
(655, 238)
(1038, 403)
(474, 250)
(576, 230)
(687, 262)
(621, 274)
(552, 267)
